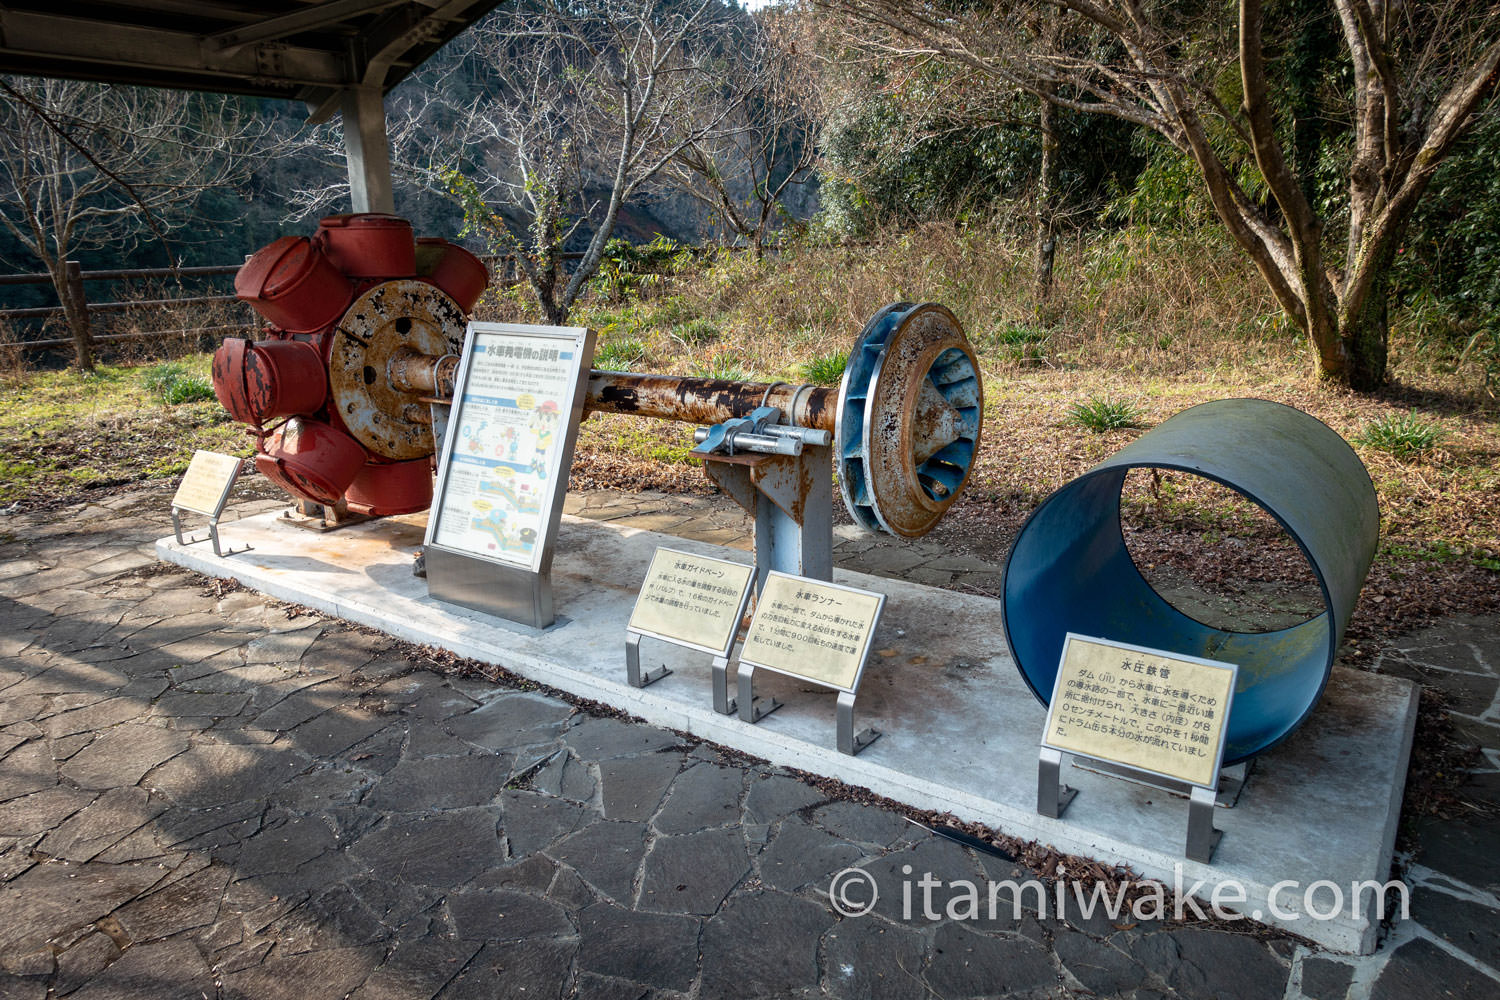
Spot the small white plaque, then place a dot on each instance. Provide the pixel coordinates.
(206, 484)
(691, 600)
(812, 630)
(1147, 709)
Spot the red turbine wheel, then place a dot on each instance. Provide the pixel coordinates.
(347, 431)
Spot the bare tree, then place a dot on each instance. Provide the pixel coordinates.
(742, 175)
(86, 165)
(545, 118)
(1421, 70)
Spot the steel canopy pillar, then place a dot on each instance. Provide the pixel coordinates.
(367, 150)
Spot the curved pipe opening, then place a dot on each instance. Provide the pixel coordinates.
(1070, 569)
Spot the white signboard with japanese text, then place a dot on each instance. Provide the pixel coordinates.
(694, 601)
(206, 484)
(1147, 709)
(812, 630)
(513, 419)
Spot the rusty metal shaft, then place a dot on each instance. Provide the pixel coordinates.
(708, 400)
(664, 397)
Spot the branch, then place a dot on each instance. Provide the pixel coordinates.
(46, 119)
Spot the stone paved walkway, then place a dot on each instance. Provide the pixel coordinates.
(215, 796)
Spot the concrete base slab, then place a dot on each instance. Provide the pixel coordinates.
(960, 728)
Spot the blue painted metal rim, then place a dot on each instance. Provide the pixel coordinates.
(1341, 551)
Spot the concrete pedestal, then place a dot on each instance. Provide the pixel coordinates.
(960, 728)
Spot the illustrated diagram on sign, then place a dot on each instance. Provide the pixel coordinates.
(509, 434)
(543, 425)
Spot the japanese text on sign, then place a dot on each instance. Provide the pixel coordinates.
(693, 600)
(206, 483)
(1145, 709)
(812, 630)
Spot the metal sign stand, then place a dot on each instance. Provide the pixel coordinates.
(212, 536)
(751, 708)
(204, 490)
(723, 704)
(846, 682)
(633, 663)
(1101, 692)
(489, 544)
(849, 741)
(707, 598)
(1053, 798)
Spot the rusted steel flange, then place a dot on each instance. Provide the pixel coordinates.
(909, 419)
(386, 325)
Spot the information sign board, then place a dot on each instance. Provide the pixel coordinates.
(811, 630)
(504, 465)
(206, 484)
(694, 601)
(1151, 710)
(503, 468)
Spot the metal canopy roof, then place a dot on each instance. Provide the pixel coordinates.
(300, 49)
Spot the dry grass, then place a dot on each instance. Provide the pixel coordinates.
(1161, 323)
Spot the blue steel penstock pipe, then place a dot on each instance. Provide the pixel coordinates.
(1069, 569)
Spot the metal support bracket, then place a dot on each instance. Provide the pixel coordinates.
(212, 536)
(1202, 838)
(1232, 779)
(751, 708)
(633, 664)
(322, 517)
(723, 704)
(791, 499)
(1052, 796)
(850, 742)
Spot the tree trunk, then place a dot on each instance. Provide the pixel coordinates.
(67, 278)
(1046, 207)
(1366, 328)
(1046, 193)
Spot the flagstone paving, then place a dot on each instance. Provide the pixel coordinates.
(204, 793)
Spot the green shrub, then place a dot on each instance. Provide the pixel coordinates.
(1404, 435)
(628, 269)
(1020, 343)
(173, 384)
(826, 369)
(720, 366)
(1100, 414)
(696, 332)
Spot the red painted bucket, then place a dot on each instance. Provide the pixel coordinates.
(453, 269)
(369, 245)
(270, 379)
(294, 285)
(391, 488)
(311, 460)
(292, 374)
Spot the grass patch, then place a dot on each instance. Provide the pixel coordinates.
(1404, 435)
(619, 355)
(728, 367)
(826, 369)
(1018, 342)
(66, 431)
(695, 332)
(173, 384)
(1100, 414)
